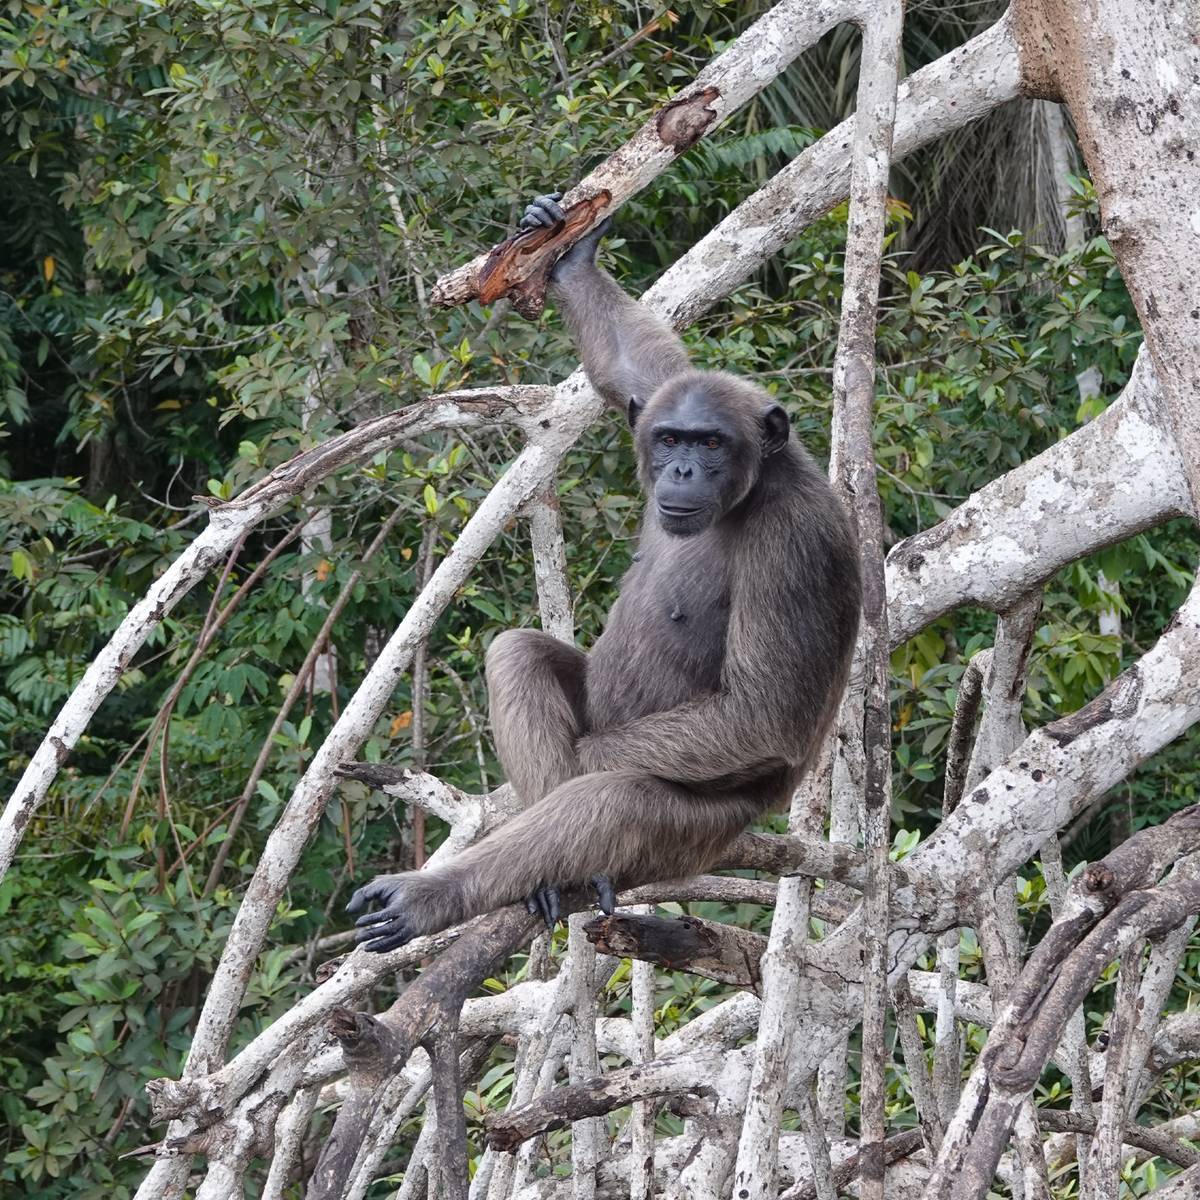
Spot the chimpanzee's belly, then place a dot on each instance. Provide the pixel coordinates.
(664, 643)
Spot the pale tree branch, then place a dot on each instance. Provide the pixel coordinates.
(1134, 100)
(1116, 476)
(1001, 731)
(604, 1093)
(1102, 1177)
(948, 94)
(641, 1142)
(852, 471)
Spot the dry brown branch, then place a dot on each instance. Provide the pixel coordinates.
(691, 1076)
(708, 948)
(520, 266)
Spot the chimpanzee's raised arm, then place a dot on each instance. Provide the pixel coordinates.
(627, 351)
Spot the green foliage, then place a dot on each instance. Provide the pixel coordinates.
(226, 220)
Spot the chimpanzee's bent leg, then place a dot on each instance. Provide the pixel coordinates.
(631, 827)
(536, 692)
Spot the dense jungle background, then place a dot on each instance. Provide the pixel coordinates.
(221, 219)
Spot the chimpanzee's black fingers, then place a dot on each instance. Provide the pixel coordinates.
(374, 932)
(382, 917)
(606, 898)
(394, 941)
(362, 897)
(550, 204)
(555, 905)
(543, 212)
(543, 903)
(531, 905)
(382, 924)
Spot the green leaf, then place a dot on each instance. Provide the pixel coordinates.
(268, 792)
(422, 370)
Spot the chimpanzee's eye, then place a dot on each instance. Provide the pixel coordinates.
(712, 443)
(668, 440)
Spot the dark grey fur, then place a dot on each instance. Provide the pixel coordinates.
(716, 677)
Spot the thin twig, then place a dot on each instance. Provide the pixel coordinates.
(207, 635)
(299, 684)
(641, 1122)
(1102, 1180)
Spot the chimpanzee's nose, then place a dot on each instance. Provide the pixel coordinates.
(682, 471)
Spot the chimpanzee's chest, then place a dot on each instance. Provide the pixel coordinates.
(664, 643)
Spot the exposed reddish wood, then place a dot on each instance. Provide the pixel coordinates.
(520, 266)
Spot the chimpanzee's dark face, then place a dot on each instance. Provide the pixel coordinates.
(690, 460)
(701, 452)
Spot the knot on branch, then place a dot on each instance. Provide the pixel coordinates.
(171, 1098)
(363, 1038)
(1097, 878)
(1140, 860)
(682, 123)
(327, 970)
(1008, 1055)
(376, 775)
(200, 1142)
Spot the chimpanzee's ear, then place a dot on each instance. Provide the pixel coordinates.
(775, 429)
(636, 404)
